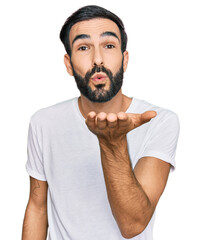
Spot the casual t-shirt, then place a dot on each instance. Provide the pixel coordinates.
(63, 152)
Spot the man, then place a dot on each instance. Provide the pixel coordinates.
(98, 164)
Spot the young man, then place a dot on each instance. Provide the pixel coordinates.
(98, 164)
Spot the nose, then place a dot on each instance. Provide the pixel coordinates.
(97, 57)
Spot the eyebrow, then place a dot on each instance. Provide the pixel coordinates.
(104, 34)
(80, 36)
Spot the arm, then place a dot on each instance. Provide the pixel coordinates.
(133, 195)
(35, 221)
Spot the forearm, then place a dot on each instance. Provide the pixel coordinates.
(35, 224)
(129, 203)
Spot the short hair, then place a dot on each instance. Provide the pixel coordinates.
(87, 13)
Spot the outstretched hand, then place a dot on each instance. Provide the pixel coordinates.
(113, 126)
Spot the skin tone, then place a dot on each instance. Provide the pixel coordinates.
(35, 223)
(132, 193)
(98, 49)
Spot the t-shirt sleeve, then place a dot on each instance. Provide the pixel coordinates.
(34, 164)
(162, 138)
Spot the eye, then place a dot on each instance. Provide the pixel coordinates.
(110, 46)
(83, 48)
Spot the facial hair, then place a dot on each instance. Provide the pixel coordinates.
(99, 95)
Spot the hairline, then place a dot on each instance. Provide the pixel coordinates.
(104, 33)
(88, 19)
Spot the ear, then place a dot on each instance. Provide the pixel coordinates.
(67, 62)
(125, 63)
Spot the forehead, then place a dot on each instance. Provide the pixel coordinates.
(94, 27)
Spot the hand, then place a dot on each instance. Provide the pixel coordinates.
(112, 127)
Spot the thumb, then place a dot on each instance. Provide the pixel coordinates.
(147, 116)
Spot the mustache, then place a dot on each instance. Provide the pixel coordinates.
(97, 69)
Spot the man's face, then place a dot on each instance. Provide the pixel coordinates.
(96, 62)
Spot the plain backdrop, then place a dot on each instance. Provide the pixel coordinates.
(164, 43)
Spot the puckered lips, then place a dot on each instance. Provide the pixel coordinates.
(99, 78)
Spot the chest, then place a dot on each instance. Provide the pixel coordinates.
(72, 156)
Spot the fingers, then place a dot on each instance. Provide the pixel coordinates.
(112, 120)
(90, 120)
(147, 116)
(102, 120)
(140, 119)
(124, 119)
(120, 120)
(106, 120)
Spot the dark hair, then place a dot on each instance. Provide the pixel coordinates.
(87, 13)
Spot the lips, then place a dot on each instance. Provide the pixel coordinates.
(99, 77)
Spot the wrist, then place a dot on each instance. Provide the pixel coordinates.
(117, 143)
(116, 151)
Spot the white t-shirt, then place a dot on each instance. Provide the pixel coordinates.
(63, 152)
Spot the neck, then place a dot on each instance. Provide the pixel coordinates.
(119, 103)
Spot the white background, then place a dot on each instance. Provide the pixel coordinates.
(164, 42)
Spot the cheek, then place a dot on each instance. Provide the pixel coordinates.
(114, 63)
(80, 66)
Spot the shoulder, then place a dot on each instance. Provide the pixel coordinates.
(163, 114)
(166, 119)
(52, 113)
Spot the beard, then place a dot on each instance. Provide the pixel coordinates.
(99, 95)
